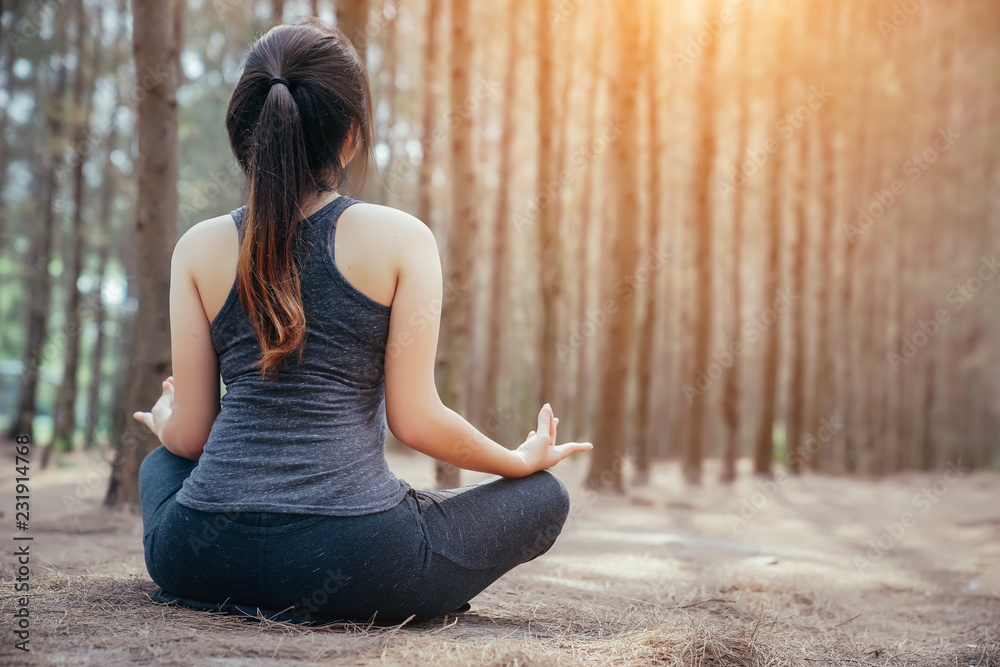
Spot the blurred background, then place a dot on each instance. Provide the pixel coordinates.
(710, 230)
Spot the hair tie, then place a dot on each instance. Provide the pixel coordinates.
(278, 79)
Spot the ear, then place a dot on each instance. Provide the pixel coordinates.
(350, 145)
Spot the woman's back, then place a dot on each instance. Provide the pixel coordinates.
(352, 338)
(312, 442)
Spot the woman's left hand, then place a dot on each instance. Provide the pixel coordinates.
(157, 417)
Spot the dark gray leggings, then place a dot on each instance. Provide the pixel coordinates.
(427, 556)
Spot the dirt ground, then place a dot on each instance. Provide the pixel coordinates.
(809, 571)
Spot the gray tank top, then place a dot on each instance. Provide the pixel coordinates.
(313, 442)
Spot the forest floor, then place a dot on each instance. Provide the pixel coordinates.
(814, 570)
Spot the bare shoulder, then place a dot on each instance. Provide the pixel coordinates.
(387, 228)
(387, 222)
(203, 240)
(207, 254)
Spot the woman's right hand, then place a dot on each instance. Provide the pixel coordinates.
(159, 414)
(540, 450)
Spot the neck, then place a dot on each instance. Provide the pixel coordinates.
(316, 201)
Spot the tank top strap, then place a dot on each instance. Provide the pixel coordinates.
(327, 223)
(238, 215)
(319, 221)
(318, 228)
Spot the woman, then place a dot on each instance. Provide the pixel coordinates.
(322, 315)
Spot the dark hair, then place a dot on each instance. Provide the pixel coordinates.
(288, 141)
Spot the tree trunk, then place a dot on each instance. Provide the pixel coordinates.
(732, 392)
(455, 323)
(156, 42)
(702, 250)
(428, 143)
(500, 284)
(580, 424)
(547, 192)
(380, 191)
(7, 55)
(108, 188)
(823, 389)
(764, 445)
(560, 392)
(854, 299)
(796, 400)
(97, 354)
(37, 268)
(647, 334)
(352, 19)
(873, 372)
(904, 385)
(65, 409)
(928, 454)
(606, 468)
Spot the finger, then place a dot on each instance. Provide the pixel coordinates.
(531, 435)
(573, 448)
(544, 418)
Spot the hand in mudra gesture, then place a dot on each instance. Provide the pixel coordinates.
(540, 450)
(160, 412)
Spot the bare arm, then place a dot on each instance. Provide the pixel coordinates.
(183, 417)
(415, 413)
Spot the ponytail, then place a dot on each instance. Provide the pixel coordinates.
(267, 279)
(302, 92)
